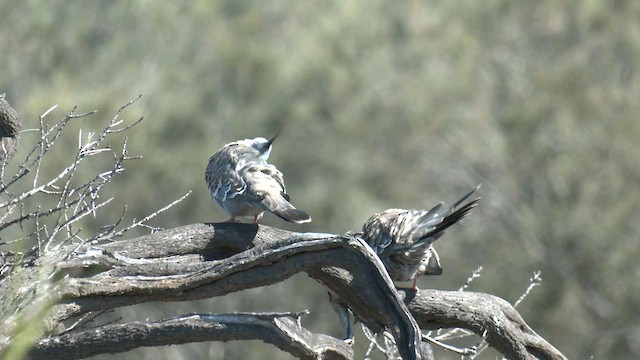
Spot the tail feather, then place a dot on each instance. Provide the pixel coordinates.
(280, 206)
(293, 215)
(429, 218)
(455, 205)
(449, 217)
(457, 215)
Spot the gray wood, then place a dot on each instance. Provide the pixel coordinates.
(207, 260)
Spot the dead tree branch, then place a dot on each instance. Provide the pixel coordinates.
(280, 329)
(506, 331)
(207, 260)
(161, 267)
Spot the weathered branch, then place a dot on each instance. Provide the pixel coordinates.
(161, 267)
(169, 266)
(506, 331)
(280, 329)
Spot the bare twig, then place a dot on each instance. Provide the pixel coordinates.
(459, 351)
(74, 202)
(534, 281)
(50, 228)
(146, 218)
(474, 275)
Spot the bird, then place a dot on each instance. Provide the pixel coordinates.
(10, 126)
(403, 239)
(242, 183)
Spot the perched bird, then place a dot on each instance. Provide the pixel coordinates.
(242, 183)
(10, 126)
(403, 238)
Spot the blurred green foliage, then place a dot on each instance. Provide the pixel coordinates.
(381, 104)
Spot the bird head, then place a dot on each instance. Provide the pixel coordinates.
(263, 146)
(430, 264)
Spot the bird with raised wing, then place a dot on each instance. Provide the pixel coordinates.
(242, 183)
(403, 238)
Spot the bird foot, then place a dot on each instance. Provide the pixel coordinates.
(349, 341)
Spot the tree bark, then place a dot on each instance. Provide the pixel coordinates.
(506, 331)
(282, 330)
(207, 260)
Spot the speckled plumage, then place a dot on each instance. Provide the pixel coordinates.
(242, 183)
(403, 238)
(10, 126)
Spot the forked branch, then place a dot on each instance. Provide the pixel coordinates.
(207, 260)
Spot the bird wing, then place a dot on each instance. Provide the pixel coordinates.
(222, 175)
(382, 230)
(409, 233)
(265, 190)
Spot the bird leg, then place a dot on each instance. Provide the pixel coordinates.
(257, 217)
(232, 219)
(415, 284)
(345, 318)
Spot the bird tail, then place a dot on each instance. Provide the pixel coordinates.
(280, 206)
(293, 215)
(431, 232)
(460, 213)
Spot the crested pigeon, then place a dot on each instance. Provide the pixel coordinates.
(403, 238)
(242, 183)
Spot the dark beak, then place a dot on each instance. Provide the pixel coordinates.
(268, 144)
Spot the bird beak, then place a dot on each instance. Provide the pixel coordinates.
(268, 144)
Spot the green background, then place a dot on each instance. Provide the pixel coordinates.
(380, 104)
